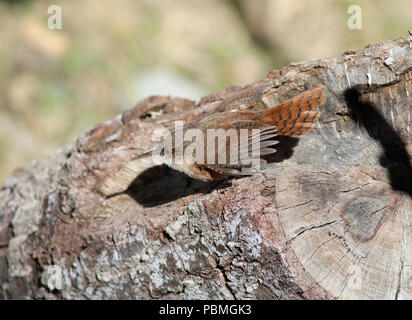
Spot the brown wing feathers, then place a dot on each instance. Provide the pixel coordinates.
(296, 116)
(291, 118)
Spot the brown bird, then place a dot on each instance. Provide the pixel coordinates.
(243, 126)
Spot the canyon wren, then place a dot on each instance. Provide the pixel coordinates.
(252, 125)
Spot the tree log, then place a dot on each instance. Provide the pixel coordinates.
(330, 218)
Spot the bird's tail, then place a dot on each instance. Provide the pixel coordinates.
(298, 115)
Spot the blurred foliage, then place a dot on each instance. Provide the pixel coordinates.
(54, 84)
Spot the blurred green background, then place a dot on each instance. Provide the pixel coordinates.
(55, 84)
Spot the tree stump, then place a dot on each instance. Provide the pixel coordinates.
(330, 218)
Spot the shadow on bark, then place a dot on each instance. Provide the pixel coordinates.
(394, 157)
(284, 149)
(162, 184)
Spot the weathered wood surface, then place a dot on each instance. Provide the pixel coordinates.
(329, 219)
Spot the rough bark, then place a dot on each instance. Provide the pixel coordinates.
(330, 217)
